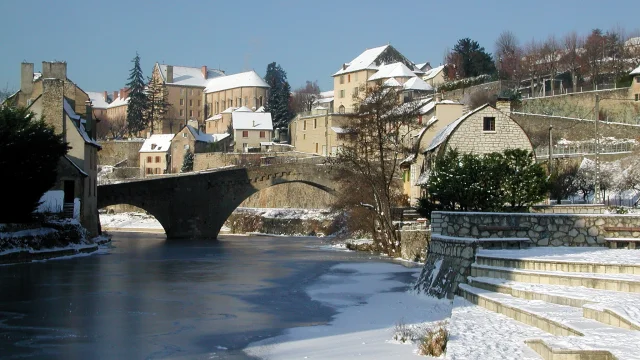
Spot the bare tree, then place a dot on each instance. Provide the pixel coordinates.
(550, 59)
(112, 127)
(5, 93)
(593, 55)
(531, 63)
(508, 54)
(371, 156)
(304, 97)
(570, 60)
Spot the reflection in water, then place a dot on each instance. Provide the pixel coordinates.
(151, 298)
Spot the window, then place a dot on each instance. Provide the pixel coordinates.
(157, 170)
(246, 101)
(304, 136)
(341, 109)
(198, 102)
(184, 134)
(157, 159)
(355, 76)
(181, 112)
(245, 133)
(149, 171)
(190, 113)
(262, 135)
(341, 137)
(316, 148)
(638, 79)
(304, 125)
(355, 91)
(341, 79)
(217, 107)
(489, 124)
(260, 100)
(348, 80)
(190, 102)
(199, 113)
(341, 94)
(148, 159)
(181, 101)
(230, 103)
(191, 92)
(637, 97)
(315, 123)
(186, 146)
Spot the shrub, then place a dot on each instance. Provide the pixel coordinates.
(402, 332)
(434, 342)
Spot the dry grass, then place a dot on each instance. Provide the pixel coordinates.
(434, 341)
(402, 332)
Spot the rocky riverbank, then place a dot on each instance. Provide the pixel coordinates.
(294, 222)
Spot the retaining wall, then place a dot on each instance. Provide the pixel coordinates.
(115, 151)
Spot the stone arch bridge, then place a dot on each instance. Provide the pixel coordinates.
(195, 206)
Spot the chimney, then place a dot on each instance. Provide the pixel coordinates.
(26, 78)
(54, 70)
(115, 95)
(344, 66)
(504, 105)
(204, 71)
(169, 73)
(106, 98)
(52, 103)
(121, 94)
(438, 97)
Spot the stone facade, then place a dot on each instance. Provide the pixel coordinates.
(316, 133)
(115, 151)
(542, 229)
(570, 209)
(214, 160)
(414, 244)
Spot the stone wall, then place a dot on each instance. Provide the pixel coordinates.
(570, 209)
(463, 94)
(580, 105)
(414, 244)
(247, 220)
(537, 128)
(542, 229)
(448, 264)
(115, 151)
(204, 161)
(290, 195)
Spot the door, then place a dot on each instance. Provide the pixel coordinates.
(69, 191)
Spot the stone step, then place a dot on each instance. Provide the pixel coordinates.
(608, 307)
(571, 335)
(553, 265)
(615, 282)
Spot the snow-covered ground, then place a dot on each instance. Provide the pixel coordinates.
(570, 254)
(368, 311)
(286, 213)
(129, 220)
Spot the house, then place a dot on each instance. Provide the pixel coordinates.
(66, 107)
(250, 129)
(117, 109)
(234, 91)
(99, 103)
(184, 88)
(484, 130)
(435, 76)
(635, 84)
(155, 155)
(319, 132)
(191, 139)
(220, 123)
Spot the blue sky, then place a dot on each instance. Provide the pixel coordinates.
(309, 39)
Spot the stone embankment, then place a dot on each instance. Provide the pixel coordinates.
(20, 243)
(295, 222)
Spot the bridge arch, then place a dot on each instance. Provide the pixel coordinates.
(196, 205)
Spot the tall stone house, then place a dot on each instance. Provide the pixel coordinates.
(192, 139)
(185, 95)
(66, 107)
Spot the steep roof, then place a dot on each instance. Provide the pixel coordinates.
(251, 121)
(203, 137)
(229, 110)
(366, 60)
(636, 71)
(448, 130)
(97, 100)
(242, 109)
(430, 74)
(244, 79)
(79, 125)
(391, 82)
(118, 102)
(189, 76)
(157, 143)
(415, 83)
(396, 69)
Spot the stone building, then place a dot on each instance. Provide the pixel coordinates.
(155, 155)
(192, 139)
(484, 130)
(185, 95)
(118, 108)
(634, 90)
(99, 103)
(435, 76)
(235, 91)
(66, 107)
(250, 129)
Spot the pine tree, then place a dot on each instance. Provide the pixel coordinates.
(468, 59)
(157, 103)
(278, 100)
(187, 162)
(137, 99)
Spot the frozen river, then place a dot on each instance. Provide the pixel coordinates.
(148, 298)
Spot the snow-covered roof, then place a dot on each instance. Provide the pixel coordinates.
(326, 94)
(634, 41)
(242, 109)
(203, 137)
(423, 179)
(80, 125)
(430, 74)
(244, 79)
(635, 71)
(215, 117)
(427, 107)
(339, 130)
(260, 109)
(97, 100)
(415, 83)
(391, 82)
(37, 76)
(229, 110)
(251, 121)
(444, 133)
(119, 102)
(397, 69)
(324, 100)
(366, 60)
(421, 65)
(157, 143)
(190, 76)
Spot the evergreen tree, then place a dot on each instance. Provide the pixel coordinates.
(278, 100)
(137, 99)
(187, 162)
(468, 59)
(157, 103)
(29, 155)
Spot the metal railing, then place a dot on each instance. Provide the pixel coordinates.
(584, 149)
(564, 91)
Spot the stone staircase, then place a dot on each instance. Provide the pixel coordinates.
(589, 310)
